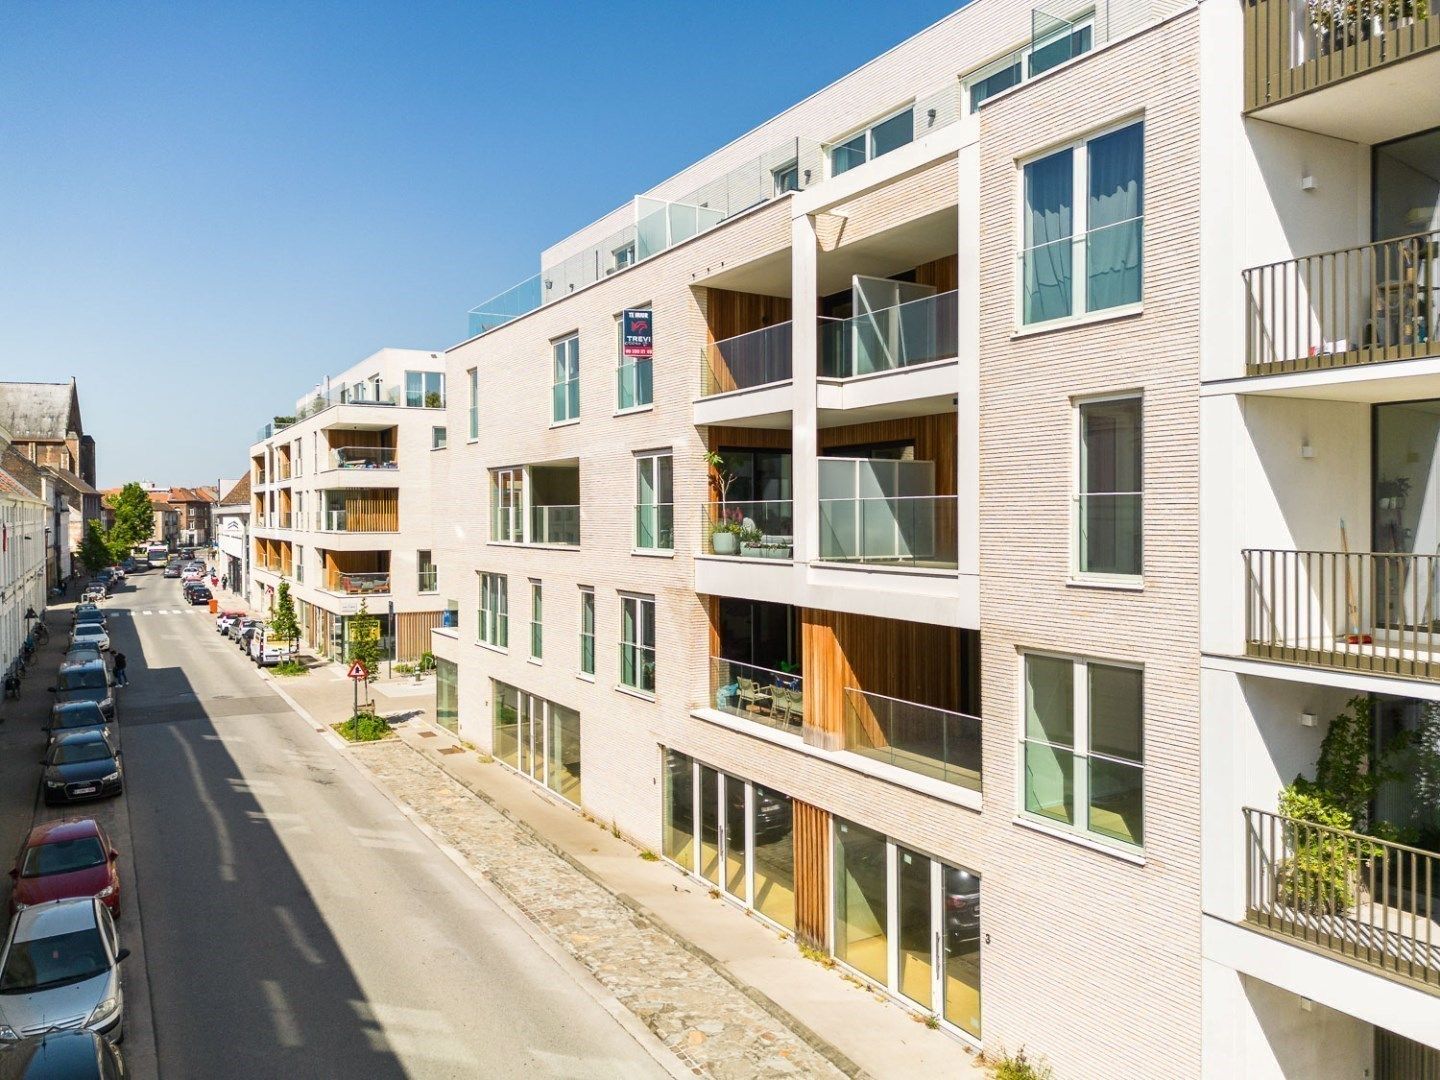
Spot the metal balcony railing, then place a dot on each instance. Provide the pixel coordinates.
(756, 530)
(773, 698)
(915, 332)
(914, 530)
(359, 584)
(1359, 305)
(362, 457)
(939, 743)
(555, 525)
(1370, 901)
(1293, 46)
(1369, 611)
(759, 358)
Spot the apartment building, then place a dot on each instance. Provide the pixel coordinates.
(804, 536)
(25, 518)
(1320, 410)
(232, 535)
(340, 503)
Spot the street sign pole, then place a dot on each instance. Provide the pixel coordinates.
(394, 640)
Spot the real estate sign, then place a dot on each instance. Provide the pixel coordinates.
(637, 332)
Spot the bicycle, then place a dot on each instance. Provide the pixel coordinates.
(42, 634)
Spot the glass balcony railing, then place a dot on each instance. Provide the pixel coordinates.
(359, 584)
(915, 332)
(773, 698)
(555, 525)
(362, 457)
(753, 530)
(635, 384)
(758, 358)
(939, 743)
(330, 520)
(915, 530)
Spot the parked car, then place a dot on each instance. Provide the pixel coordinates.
(94, 593)
(88, 680)
(201, 595)
(91, 634)
(248, 632)
(192, 573)
(79, 654)
(61, 859)
(61, 969)
(67, 717)
(225, 619)
(63, 1055)
(92, 615)
(172, 570)
(81, 766)
(268, 651)
(240, 625)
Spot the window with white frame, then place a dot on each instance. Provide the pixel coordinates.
(624, 255)
(878, 139)
(299, 564)
(507, 505)
(437, 438)
(537, 633)
(565, 396)
(494, 621)
(474, 374)
(1082, 227)
(634, 374)
(654, 506)
(1083, 746)
(786, 178)
(1108, 503)
(637, 642)
(425, 389)
(587, 630)
(427, 577)
(1052, 44)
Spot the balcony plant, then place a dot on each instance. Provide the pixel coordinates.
(725, 533)
(750, 541)
(1320, 875)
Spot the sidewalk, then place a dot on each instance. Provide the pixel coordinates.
(728, 993)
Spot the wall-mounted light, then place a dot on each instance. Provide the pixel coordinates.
(930, 115)
(1307, 719)
(1306, 450)
(1307, 183)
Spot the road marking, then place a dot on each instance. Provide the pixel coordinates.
(388, 840)
(253, 787)
(286, 1030)
(217, 819)
(297, 937)
(147, 613)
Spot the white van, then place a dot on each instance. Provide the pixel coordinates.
(268, 651)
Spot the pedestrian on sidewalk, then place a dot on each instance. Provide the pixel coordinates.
(122, 678)
(225, 582)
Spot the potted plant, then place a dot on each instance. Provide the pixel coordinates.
(432, 400)
(750, 542)
(1391, 492)
(725, 534)
(774, 549)
(727, 528)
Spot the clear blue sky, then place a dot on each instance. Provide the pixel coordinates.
(205, 206)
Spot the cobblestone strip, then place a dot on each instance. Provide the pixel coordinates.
(710, 1025)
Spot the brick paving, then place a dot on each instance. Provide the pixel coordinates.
(709, 1023)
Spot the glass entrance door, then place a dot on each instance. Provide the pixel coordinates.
(532, 738)
(733, 837)
(709, 824)
(915, 934)
(960, 977)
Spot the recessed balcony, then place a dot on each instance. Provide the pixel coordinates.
(358, 584)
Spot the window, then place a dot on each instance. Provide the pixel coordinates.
(654, 509)
(474, 403)
(299, 457)
(537, 634)
(565, 401)
(507, 506)
(494, 626)
(1083, 254)
(437, 438)
(1108, 507)
(299, 564)
(424, 390)
(427, 577)
(889, 134)
(624, 256)
(1084, 746)
(787, 178)
(637, 642)
(634, 335)
(587, 630)
(1064, 41)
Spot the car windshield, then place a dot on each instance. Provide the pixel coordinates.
(63, 857)
(53, 961)
(86, 678)
(89, 630)
(76, 753)
(83, 714)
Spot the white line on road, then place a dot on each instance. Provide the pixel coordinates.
(286, 1030)
(297, 937)
(217, 819)
(147, 613)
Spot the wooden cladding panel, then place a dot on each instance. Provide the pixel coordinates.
(412, 632)
(730, 313)
(338, 437)
(811, 838)
(371, 510)
(747, 438)
(942, 274)
(935, 438)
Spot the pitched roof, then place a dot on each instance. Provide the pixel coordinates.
(10, 486)
(39, 410)
(240, 493)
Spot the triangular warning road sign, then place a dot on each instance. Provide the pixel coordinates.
(357, 671)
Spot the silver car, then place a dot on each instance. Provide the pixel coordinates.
(61, 970)
(91, 634)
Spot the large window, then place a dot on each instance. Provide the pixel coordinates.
(654, 508)
(538, 737)
(507, 505)
(635, 375)
(1084, 746)
(861, 903)
(537, 625)
(1083, 227)
(494, 623)
(889, 134)
(447, 695)
(1051, 46)
(474, 403)
(678, 835)
(637, 642)
(1108, 504)
(426, 575)
(425, 389)
(565, 400)
(587, 630)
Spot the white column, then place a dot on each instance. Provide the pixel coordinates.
(804, 445)
(967, 398)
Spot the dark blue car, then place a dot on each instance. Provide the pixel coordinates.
(81, 766)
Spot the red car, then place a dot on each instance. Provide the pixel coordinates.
(61, 859)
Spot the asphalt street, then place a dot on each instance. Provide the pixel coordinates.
(292, 921)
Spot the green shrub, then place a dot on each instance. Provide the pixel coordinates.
(427, 661)
(289, 668)
(1019, 1067)
(363, 727)
(1321, 873)
(405, 669)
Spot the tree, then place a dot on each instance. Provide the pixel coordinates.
(134, 517)
(363, 644)
(283, 623)
(95, 553)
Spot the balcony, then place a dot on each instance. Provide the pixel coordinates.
(1320, 50)
(752, 530)
(1377, 612)
(1361, 305)
(760, 358)
(1369, 902)
(362, 457)
(773, 698)
(284, 520)
(917, 332)
(938, 743)
(364, 584)
(910, 530)
(282, 471)
(555, 525)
